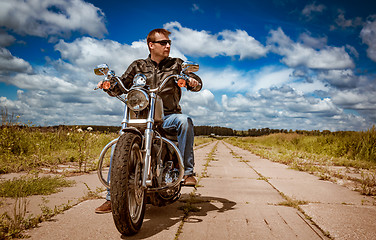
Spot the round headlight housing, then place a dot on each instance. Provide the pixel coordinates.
(137, 100)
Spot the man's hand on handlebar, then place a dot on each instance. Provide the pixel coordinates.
(99, 85)
(193, 82)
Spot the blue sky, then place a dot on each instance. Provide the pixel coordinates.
(282, 64)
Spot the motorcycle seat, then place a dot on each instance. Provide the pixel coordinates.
(171, 137)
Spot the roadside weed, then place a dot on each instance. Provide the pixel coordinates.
(32, 185)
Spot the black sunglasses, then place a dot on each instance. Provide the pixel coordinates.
(163, 42)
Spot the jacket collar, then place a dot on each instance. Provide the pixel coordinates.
(161, 64)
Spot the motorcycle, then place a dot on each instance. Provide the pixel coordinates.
(147, 166)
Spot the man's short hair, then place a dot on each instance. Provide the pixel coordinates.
(151, 35)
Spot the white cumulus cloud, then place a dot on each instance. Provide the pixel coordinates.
(271, 76)
(43, 18)
(297, 54)
(368, 35)
(88, 52)
(339, 78)
(10, 63)
(226, 43)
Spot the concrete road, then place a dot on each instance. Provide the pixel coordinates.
(240, 196)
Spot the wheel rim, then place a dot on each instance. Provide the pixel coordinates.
(135, 190)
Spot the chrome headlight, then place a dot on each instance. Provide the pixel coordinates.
(137, 100)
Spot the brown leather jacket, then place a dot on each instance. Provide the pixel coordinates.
(155, 74)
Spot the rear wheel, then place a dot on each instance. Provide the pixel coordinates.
(128, 198)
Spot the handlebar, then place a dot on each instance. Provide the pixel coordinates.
(165, 81)
(181, 79)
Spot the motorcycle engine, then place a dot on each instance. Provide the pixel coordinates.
(165, 172)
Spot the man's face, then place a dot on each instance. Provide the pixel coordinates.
(159, 48)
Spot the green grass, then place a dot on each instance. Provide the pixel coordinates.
(319, 154)
(290, 202)
(349, 149)
(26, 149)
(202, 140)
(27, 186)
(12, 225)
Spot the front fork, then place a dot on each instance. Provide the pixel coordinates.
(149, 134)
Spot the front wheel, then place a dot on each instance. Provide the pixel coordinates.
(128, 198)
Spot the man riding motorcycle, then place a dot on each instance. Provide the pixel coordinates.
(156, 68)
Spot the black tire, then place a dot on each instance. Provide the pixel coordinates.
(128, 199)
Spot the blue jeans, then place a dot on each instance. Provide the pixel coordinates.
(182, 125)
(179, 124)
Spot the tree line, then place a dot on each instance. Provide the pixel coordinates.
(254, 132)
(224, 131)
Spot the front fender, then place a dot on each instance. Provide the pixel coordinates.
(132, 129)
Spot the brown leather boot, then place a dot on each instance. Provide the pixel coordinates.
(189, 180)
(104, 208)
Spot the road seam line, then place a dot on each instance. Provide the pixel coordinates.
(192, 194)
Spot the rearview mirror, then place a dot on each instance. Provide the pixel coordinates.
(190, 67)
(101, 69)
